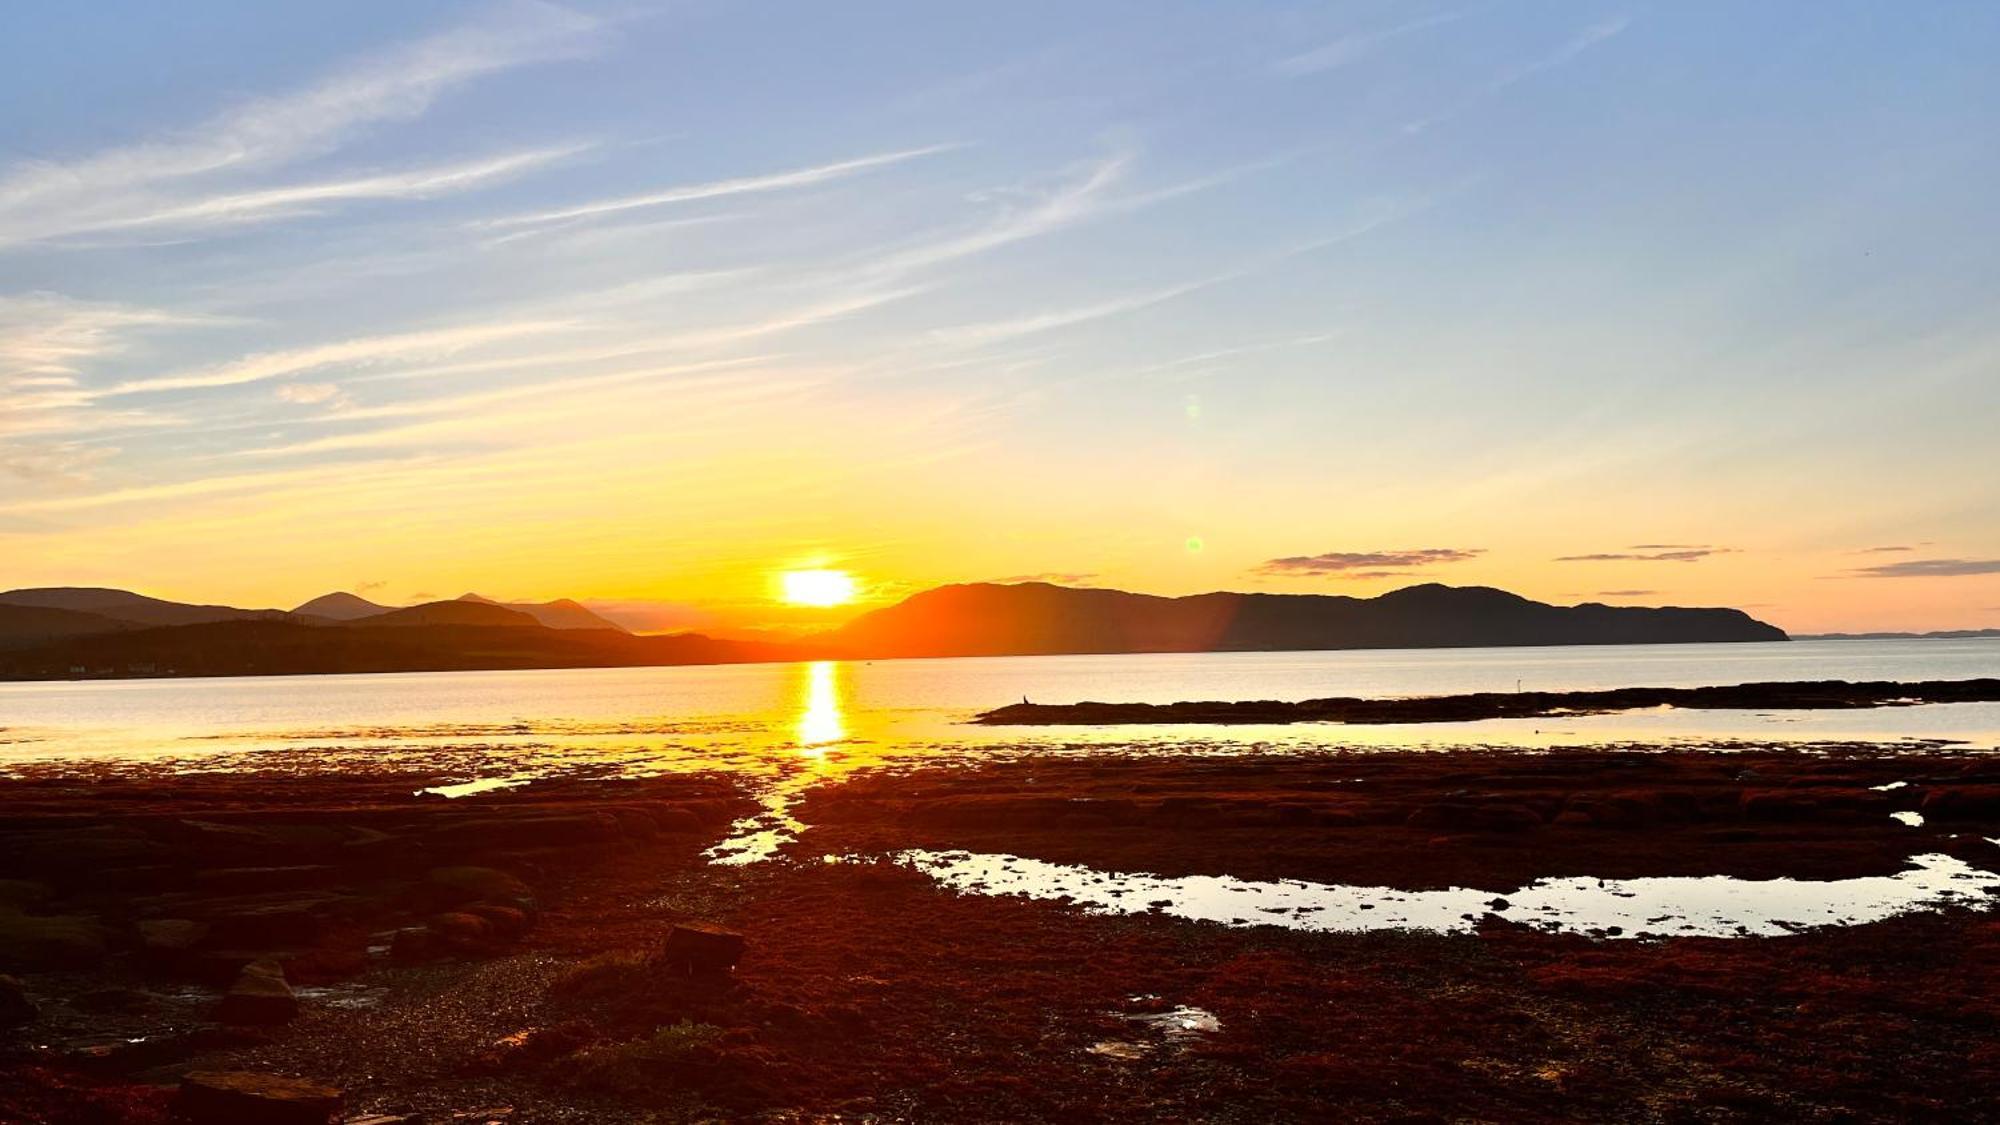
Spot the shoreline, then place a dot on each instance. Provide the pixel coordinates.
(1797, 695)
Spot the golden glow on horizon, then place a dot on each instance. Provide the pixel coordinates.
(817, 587)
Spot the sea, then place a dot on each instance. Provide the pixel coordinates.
(653, 719)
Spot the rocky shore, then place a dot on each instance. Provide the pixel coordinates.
(313, 947)
(1784, 696)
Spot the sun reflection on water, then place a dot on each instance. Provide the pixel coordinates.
(822, 719)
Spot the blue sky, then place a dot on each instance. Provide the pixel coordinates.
(641, 301)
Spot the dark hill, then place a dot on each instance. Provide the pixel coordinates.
(26, 625)
(1036, 618)
(124, 605)
(269, 647)
(449, 613)
(340, 606)
(563, 613)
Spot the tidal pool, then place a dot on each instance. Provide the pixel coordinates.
(1658, 907)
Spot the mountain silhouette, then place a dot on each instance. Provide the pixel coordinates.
(562, 613)
(124, 605)
(129, 634)
(340, 606)
(460, 612)
(987, 619)
(28, 625)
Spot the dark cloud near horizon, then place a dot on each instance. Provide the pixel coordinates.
(1882, 550)
(1652, 552)
(1362, 565)
(1930, 568)
(1625, 593)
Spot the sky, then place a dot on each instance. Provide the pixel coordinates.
(1643, 303)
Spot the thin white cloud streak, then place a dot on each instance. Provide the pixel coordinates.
(1000, 330)
(1350, 48)
(729, 384)
(1060, 208)
(299, 199)
(1577, 44)
(366, 350)
(716, 189)
(43, 199)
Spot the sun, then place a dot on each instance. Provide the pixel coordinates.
(817, 587)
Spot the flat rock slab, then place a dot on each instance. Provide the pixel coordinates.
(261, 995)
(699, 949)
(236, 1097)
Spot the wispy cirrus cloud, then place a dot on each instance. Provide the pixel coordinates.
(1350, 48)
(147, 182)
(718, 189)
(1366, 564)
(1576, 45)
(1653, 552)
(290, 200)
(1930, 568)
(999, 330)
(427, 344)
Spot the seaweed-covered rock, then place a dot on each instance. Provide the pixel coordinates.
(249, 1098)
(261, 995)
(700, 949)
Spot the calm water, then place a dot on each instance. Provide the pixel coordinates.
(668, 716)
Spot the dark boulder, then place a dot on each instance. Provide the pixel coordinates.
(167, 945)
(16, 1009)
(699, 949)
(260, 996)
(247, 1098)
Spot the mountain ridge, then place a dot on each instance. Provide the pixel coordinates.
(976, 619)
(1037, 618)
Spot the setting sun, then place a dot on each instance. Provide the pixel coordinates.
(817, 587)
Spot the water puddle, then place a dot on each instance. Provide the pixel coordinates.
(476, 786)
(1667, 906)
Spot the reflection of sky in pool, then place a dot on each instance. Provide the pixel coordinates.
(1670, 906)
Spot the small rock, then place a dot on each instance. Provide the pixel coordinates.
(506, 921)
(259, 996)
(296, 922)
(461, 932)
(698, 948)
(15, 1007)
(454, 885)
(167, 945)
(36, 943)
(411, 945)
(248, 1098)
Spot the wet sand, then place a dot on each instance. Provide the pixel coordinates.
(870, 990)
